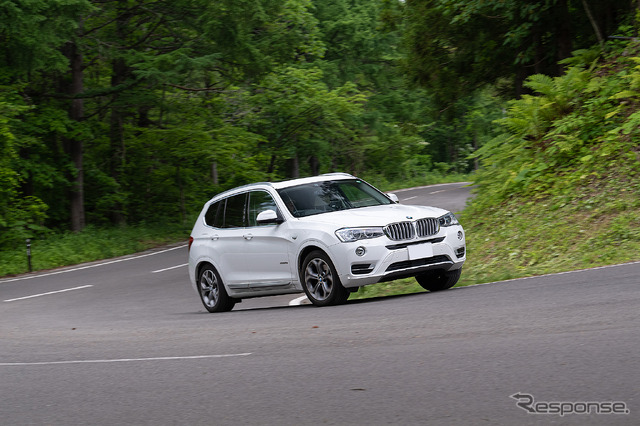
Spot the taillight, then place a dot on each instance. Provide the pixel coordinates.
(190, 242)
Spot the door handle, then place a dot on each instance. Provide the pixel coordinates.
(248, 236)
(214, 237)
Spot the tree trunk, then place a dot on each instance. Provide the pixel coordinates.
(476, 145)
(315, 165)
(214, 172)
(183, 208)
(119, 74)
(564, 40)
(594, 23)
(117, 160)
(540, 51)
(294, 167)
(272, 165)
(75, 146)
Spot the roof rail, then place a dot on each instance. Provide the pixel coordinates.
(336, 174)
(242, 187)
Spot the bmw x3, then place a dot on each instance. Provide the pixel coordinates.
(325, 236)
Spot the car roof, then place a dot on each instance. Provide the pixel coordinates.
(286, 183)
(321, 178)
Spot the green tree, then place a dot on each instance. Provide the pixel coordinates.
(36, 36)
(456, 46)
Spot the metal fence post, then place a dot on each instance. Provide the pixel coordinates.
(29, 253)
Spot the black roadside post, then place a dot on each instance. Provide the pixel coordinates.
(29, 253)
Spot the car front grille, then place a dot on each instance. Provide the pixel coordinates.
(401, 231)
(427, 227)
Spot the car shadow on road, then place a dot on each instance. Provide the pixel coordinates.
(378, 299)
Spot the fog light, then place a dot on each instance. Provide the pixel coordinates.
(460, 235)
(360, 251)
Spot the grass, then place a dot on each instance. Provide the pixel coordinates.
(91, 244)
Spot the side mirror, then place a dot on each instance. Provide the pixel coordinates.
(394, 198)
(268, 216)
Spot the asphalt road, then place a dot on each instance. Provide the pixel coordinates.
(127, 341)
(450, 196)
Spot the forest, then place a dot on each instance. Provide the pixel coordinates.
(121, 112)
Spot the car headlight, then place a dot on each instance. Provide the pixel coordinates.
(448, 219)
(347, 235)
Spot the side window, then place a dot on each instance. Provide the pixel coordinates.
(259, 201)
(215, 214)
(234, 216)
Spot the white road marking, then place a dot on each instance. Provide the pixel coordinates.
(28, 277)
(166, 269)
(410, 198)
(437, 192)
(298, 301)
(595, 268)
(103, 361)
(48, 293)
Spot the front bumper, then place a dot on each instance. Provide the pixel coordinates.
(386, 260)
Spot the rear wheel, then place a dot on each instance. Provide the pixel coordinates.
(320, 280)
(438, 280)
(212, 292)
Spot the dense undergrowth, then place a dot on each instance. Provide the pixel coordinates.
(560, 189)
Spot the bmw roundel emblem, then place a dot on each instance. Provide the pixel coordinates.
(409, 217)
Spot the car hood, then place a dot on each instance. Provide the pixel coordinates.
(375, 215)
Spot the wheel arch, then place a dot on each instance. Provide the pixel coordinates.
(303, 254)
(201, 265)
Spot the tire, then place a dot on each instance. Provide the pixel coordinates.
(439, 280)
(320, 280)
(212, 292)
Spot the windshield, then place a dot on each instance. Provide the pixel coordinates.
(331, 196)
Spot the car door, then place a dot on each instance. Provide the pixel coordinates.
(268, 248)
(231, 246)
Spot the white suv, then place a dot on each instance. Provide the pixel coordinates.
(325, 235)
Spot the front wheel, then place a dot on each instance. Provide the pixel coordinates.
(212, 292)
(320, 280)
(438, 280)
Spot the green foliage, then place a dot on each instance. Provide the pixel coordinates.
(32, 32)
(559, 188)
(454, 46)
(574, 126)
(20, 215)
(300, 117)
(148, 108)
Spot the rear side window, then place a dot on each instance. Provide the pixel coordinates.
(234, 216)
(227, 213)
(215, 214)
